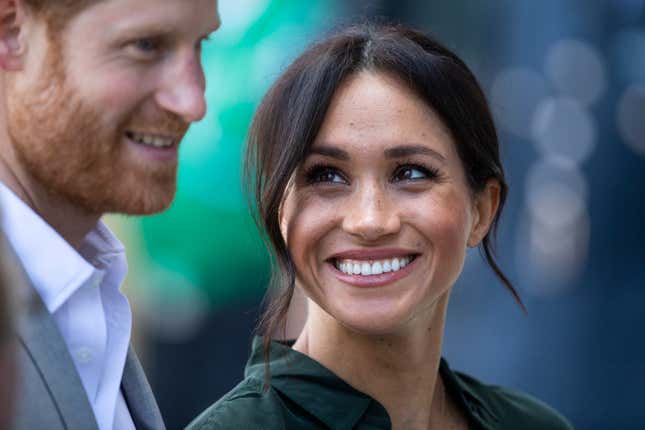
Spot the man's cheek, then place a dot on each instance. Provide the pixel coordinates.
(116, 94)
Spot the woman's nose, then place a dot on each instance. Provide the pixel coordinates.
(370, 214)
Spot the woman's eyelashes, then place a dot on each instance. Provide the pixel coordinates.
(324, 174)
(402, 173)
(413, 172)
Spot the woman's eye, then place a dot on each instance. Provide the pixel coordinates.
(317, 175)
(412, 173)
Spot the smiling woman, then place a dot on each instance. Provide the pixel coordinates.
(382, 185)
(375, 164)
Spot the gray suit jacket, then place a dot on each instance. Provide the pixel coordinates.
(50, 392)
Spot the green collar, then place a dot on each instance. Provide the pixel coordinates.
(338, 405)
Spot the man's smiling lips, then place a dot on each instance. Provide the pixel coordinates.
(372, 267)
(157, 146)
(156, 140)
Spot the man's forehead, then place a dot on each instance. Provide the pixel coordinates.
(118, 16)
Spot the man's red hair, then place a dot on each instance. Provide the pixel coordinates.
(58, 13)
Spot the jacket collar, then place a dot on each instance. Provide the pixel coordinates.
(463, 391)
(314, 387)
(337, 404)
(46, 348)
(139, 397)
(39, 335)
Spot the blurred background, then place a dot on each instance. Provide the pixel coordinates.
(566, 81)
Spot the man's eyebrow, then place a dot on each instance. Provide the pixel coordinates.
(136, 29)
(409, 150)
(330, 151)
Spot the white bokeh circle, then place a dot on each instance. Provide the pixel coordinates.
(562, 127)
(514, 96)
(576, 69)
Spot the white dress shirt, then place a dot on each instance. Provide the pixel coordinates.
(81, 290)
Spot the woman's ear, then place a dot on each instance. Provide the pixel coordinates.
(285, 210)
(282, 221)
(12, 20)
(485, 208)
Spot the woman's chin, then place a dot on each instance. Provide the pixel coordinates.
(373, 323)
(405, 316)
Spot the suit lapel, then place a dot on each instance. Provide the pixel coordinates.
(138, 395)
(48, 352)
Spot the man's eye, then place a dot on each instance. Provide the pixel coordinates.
(323, 174)
(146, 45)
(145, 48)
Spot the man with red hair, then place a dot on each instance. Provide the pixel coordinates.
(96, 97)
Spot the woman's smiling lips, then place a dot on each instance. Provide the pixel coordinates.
(372, 267)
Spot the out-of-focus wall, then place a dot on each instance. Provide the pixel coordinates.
(566, 81)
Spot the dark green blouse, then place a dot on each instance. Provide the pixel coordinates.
(305, 395)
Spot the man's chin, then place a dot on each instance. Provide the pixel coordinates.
(149, 203)
(121, 199)
(144, 209)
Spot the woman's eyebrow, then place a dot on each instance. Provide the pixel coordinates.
(409, 150)
(330, 151)
(396, 152)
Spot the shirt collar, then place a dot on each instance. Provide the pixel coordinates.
(314, 387)
(463, 390)
(331, 400)
(54, 267)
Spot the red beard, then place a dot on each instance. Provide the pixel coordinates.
(76, 154)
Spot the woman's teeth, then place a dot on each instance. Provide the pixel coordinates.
(375, 267)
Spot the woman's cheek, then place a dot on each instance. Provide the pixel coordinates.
(446, 227)
(309, 221)
(455, 231)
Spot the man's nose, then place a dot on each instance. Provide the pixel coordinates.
(371, 214)
(182, 89)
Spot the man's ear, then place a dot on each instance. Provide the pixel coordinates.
(485, 208)
(12, 17)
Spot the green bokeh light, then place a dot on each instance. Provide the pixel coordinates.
(208, 236)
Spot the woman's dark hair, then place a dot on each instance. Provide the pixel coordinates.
(292, 112)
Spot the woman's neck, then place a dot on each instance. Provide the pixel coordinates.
(400, 371)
